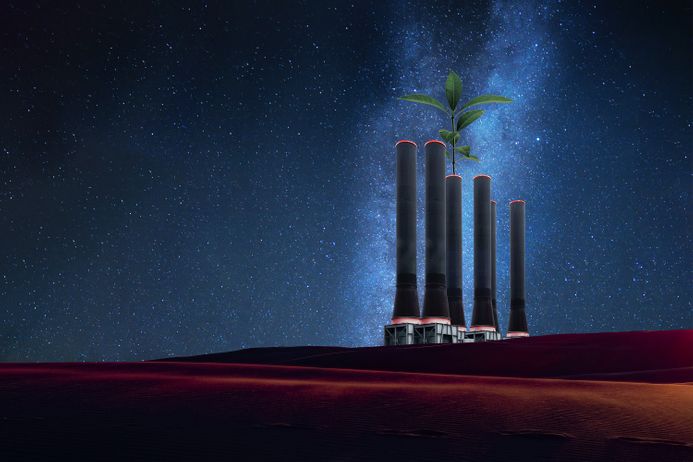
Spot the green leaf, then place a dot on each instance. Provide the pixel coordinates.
(470, 157)
(463, 150)
(468, 117)
(423, 99)
(453, 89)
(447, 154)
(446, 135)
(449, 136)
(486, 99)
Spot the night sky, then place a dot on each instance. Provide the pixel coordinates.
(180, 179)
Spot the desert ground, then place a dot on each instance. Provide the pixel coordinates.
(613, 396)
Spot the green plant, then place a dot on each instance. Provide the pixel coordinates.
(459, 118)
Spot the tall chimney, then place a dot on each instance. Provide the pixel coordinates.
(517, 326)
(453, 240)
(406, 306)
(435, 307)
(482, 317)
(493, 266)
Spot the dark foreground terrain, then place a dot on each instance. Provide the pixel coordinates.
(615, 396)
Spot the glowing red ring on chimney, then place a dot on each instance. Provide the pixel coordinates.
(516, 334)
(482, 329)
(482, 176)
(454, 175)
(435, 320)
(405, 141)
(435, 141)
(405, 320)
(517, 200)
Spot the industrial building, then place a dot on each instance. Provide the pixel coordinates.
(442, 318)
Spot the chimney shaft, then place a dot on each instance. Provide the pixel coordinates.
(482, 317)
(517, 326)
(493, 266)
(453, 240)
(435, 307)
(406, 306)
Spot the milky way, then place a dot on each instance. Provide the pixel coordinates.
(181, 180)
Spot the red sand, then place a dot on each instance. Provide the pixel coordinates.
(213, 411)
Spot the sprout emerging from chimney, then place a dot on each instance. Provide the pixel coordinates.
(460, 116)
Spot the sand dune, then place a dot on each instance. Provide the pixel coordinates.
(220, 411)
(651, 356)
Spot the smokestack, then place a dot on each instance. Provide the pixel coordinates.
(435, 307)
(453, 240)
(406, 307)
(493, 266)
(517, 327)
(482, 317)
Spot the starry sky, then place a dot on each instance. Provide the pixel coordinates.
(188, 177)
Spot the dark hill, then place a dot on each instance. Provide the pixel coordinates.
(649, 356)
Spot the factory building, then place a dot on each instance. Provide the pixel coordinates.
(442, 318)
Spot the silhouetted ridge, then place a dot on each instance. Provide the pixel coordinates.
(655, 356)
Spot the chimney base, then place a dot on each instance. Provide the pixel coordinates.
(434, 330)
(481, 336)
(399, 334)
